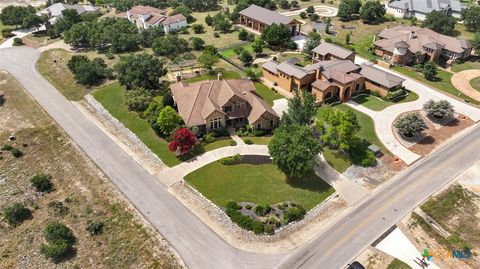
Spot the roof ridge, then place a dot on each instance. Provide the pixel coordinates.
(194, 102)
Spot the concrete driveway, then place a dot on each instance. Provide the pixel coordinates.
(384, 119)
(461, 81)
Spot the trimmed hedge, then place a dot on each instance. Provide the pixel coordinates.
(230, 160)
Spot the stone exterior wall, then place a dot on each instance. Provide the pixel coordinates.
(215, 114)
(383, 91)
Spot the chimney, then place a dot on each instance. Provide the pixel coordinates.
(412, 35)
(178, 77)
(219, 76)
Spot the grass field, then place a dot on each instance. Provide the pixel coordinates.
(378, 104)
(219, 143)
(112, 98)
(79, 185)
(260, 184)
(258, 140)
(473, 63)
(229, 53)
(336, 159)
(226, 74)
(475, 83)
(266, 93)
(443, 83)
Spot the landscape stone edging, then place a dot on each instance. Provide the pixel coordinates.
(215, 212)
(133, 138)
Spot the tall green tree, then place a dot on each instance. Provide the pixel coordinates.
(293, 149)
(348, 9)
(69, 18)
(430, 70)
(246, 58)
(257, 46)
(15, 15)
(207, 59)
(276, 36)
(301, 109)
(439, 22)
(372, 12)
(139, 71)
(170, 45)
(471, 18)
(168, 120)
(313, 40)
(476, 41)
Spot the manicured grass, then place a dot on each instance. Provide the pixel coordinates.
(258, 140)
(367, 130)
(219, 143)
(229, 53)
(474, 63)
(266, 93)
(336, 160)
(378, 104)
(226, 74)
(475, 83)
(261, 184)
(285, 56)
(398, 264)
(443, 82)
(112, 98)
(361, 47)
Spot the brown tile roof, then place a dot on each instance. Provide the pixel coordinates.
(336, 69)
(173, 19)
(416, 38)
(197, 101)
(329, 48)
(142, 10)
(381, 77)
(322, 85)
(265, 16)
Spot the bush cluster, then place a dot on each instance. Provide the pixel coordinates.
(57, 208)
(248, 141)
(95, 228)
(220, 132)
(245, 222)
(230, 160)
(42, 183)
(17, 153)
(294, 213)
(262, 210)
(60, 241)
(15, 214)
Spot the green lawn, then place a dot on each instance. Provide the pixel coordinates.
(471, 64)
(475, 83)
(378, 104)
(258, 140)
(219, 143)
(229, 53)
(336, 160)
(367, 130)
(443, 83)
(361, 47)
(260, 184)
(112, 98)
(266, 93)
(226, 74)
(285, 56)
(398, 264)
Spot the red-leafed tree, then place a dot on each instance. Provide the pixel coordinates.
(183, 140)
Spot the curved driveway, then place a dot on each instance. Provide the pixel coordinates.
(199, 246)
(461, 81)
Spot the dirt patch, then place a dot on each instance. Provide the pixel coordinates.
(127, 241)
(373, 258)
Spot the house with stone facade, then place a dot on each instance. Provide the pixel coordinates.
(410, 45)
(222, 103)
(257, 18)
(332, 79)
(420, 8)
(329, 51)
(145, 17)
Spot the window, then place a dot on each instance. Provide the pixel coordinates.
(215, 123)
(272, 123)
(259, 125)
(227, 109)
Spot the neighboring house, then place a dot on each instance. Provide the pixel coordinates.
(331, 79)
(420, 8)
(329, 51)
(222, 103)
(411, 44)
(145, 17)
(54, 12)
(257, 18)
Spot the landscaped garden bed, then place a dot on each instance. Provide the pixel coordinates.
(378, 103)
(254, 184)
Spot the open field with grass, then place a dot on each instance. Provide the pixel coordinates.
(378, 104)
(261, 184)
(475, 83)
(442, 83)
(84, 191)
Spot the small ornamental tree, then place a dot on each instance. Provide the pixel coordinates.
(429, 71)
(257, 46)
(183, 141)
(246, 58)
(168, 120)
(137, 99)
(348, 9)
(439, 110)
(410, 125)
(197, 43)
(372, 12)
(198, 28)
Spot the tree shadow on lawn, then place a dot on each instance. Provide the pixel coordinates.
(309, 182)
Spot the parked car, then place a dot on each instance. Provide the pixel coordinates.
(355, 265)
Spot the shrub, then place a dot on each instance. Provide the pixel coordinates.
(232, 143)
(230, 160)
(410, 124)
(439, 110)
(269, 229)
(259, 132)
(56, 231)
(362, 156)
(241, 220)
(219, 132)
(42, 183)
(95, 228)
(58, 209)
(248, 207)
(198, 28)
(6, 33)
(15, 214)
(137, 99)
(109, 55)
(248, 141)
(60, 241)
(17, 41)
(262, 210)
(209, 138)
(216, 35)
(7, 147)
(57, 251)
(294, 213)
(303, 15)
(17, 153)
(258, 227)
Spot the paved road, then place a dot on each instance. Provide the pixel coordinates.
(199, 246)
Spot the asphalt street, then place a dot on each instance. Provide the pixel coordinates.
(198, 245)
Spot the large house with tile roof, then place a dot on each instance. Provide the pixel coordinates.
(420, 8)
(222, 103)
(331, 79)
(258, 18)
(54, 12)
(145, 17)
(411, 44)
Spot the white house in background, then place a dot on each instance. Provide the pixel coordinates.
(420, 8)
(54, 12)
(146, 17)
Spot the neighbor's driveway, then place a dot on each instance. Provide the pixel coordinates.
(324, 11)
(461, 81)
(384, 119)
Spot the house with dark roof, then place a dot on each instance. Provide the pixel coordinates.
(222, 103)
(257, 18)
(145, 17)
(331, 79)
(329, 51)
(420, 8)
(411, 44)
